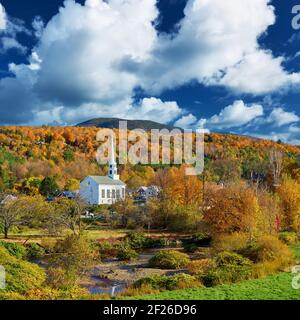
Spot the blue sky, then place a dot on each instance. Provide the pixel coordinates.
(229, 66)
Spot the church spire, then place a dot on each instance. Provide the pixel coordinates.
(113, 170)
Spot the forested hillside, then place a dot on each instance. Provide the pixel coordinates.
(67, 154)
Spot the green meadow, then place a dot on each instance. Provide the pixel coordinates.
(276, 287)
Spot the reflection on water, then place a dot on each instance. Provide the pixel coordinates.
(106, 286)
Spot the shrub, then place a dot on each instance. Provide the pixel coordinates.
(196, 241)
(263, 269)
(107, 249)
(201, 239)
(169, 259)
(231, 242)
(185, 281)
(14, 249)
(58, 278)
(139, 291)
(35, 251)
(190, 247)
(48, 244)
(125, 253)
(268, 248)
(229, 268)
(136, 240)
(157, 243)
(288, 237)
(11, 296)
(179, 281)
(198, 267)
(21, 276)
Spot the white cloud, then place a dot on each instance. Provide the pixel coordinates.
(280, 117)
(148, 109)
(259, 72)
(77, 58)
(235, 115)
(9, 28)
(38, 26)
(156, 110)
(8, 43)
(91, 58)
(2, 18)
(186, 122)
(89, 42)
(286, 136)
(217, 44)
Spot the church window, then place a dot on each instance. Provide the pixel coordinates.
(108, 193)
(103, 193)
(114, 194)
(118, 194)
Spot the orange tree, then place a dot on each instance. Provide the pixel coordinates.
(233, 208)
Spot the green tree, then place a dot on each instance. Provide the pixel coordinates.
(21, 211)
(68, 154)
(48, 187)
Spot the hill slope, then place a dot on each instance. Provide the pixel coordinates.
(65, 153)
(113, 123)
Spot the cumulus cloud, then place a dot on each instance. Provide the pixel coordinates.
(186, 122)
(235, 115)
(156, 110)
(8, 43)
(259, 72)
(2, 18)
(280, 117)
(81, 47)
(77, 57)
(9, 28)
(217, 44)
(91, 58)
(148, 109)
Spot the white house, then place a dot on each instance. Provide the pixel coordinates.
(104, 189)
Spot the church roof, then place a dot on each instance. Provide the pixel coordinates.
(107, 180)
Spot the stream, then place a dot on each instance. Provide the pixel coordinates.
(106, 286)
(112, 277)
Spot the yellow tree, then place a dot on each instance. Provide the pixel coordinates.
(289, 193)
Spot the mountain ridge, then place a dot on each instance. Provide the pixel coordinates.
(113, 123)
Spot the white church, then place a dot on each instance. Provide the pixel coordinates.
(108, 189)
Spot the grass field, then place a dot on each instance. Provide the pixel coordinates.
(36, 235)
(276, 287)
(94, 232)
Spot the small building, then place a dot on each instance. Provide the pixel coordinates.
(108, 189)
(145, 193)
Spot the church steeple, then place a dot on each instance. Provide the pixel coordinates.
(112, 169)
